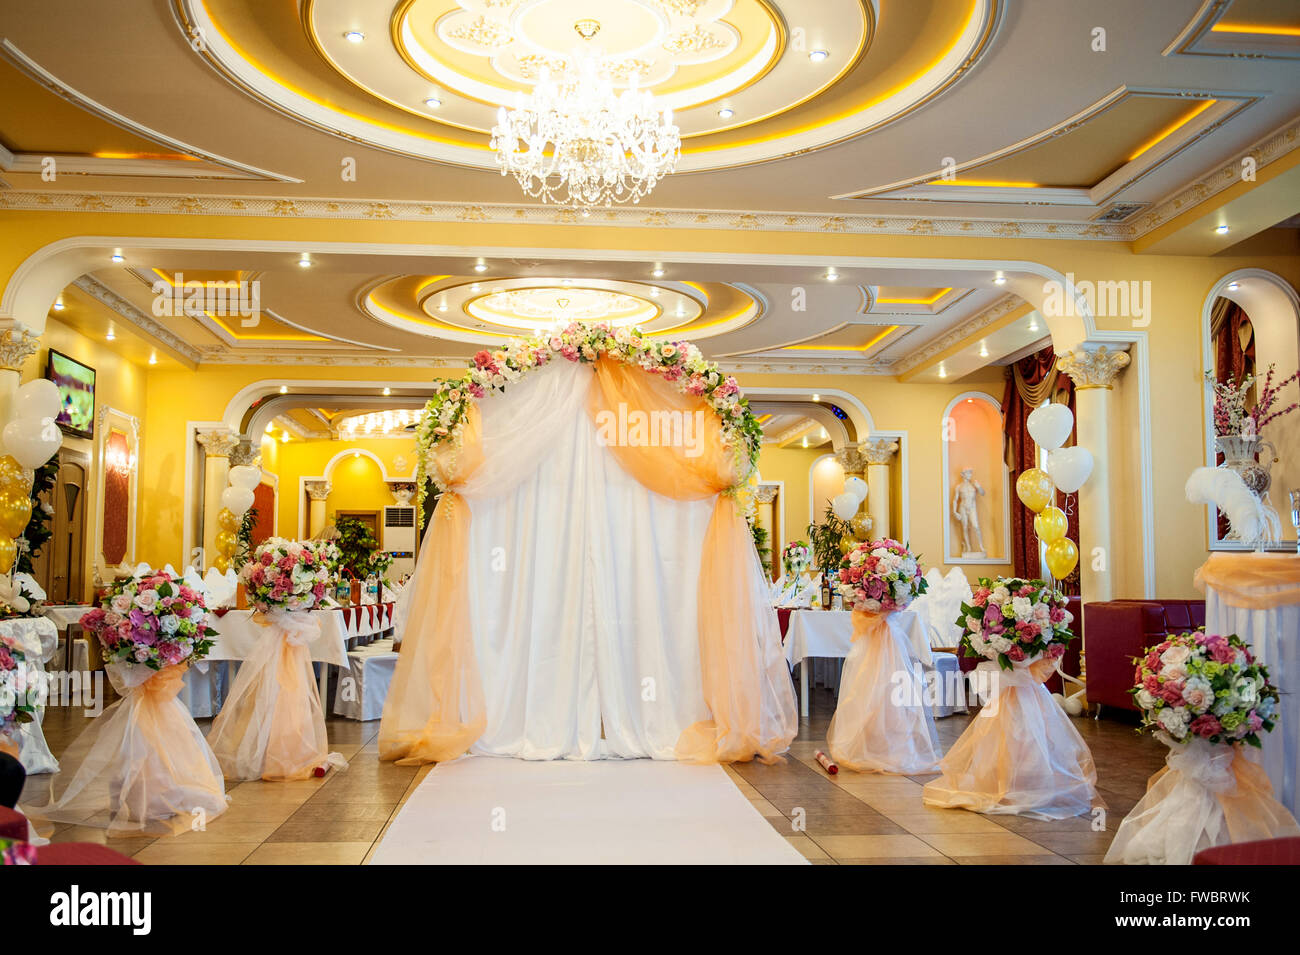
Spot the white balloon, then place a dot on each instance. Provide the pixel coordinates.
(1069, 468)
(37, 399)
(32, 441)
(844, 505)
(237, 500)
(857, 487)
(245, 476)
(1049, 425)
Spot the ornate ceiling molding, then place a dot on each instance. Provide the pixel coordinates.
(140, 319)
(1003, 306)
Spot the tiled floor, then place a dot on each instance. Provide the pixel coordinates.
(847, 819)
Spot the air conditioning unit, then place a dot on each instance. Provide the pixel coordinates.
(400, 538)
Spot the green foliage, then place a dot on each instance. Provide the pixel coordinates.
(244, 552)
(824, 539)
(762, 542)
(38, 531)
(358, 549)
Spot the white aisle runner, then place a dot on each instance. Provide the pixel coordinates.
(482, 809)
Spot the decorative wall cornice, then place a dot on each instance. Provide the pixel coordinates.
(977, 323)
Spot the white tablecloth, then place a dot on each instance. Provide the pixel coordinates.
(65, 616)
(237, 634)
(1274, 636)
(38, 637)
(815, 634)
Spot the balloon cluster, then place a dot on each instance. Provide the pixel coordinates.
(235, 502)
(846, 507)
(1067, 470)
(31, 438)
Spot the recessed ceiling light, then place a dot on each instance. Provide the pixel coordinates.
(117, 257)
(658, 272)
(58, 303)
(284, 389)
(726, 112)
(1232, 287)
(474, 287)
(112, 335)
(984, 350)
(1222, 230)
(1033, 325)
(153, 358)
(387, 392)
(442, 307)
(943, 372)
(270, 426)
(432, 102)
(480, 267)
(999, 279)
(818, 55)
(817, 397)
(284, 438)
(354, 36)
(832, 275)
(304, 262)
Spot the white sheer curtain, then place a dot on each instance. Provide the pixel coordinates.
(583, 586)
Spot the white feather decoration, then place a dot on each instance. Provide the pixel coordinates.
(1252, 520)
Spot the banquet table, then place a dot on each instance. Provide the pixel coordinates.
(237, 635)
(829, 633)
(1232, 584)
(66, 618)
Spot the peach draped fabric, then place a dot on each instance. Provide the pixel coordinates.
(435, 708)
(881, 723)
(1205, 795)
(141, 766)
(1252, 581)
(1020, 755)
(745, 682)
(272, 726)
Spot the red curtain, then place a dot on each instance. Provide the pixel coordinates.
(1035, 370)
(1234, 357)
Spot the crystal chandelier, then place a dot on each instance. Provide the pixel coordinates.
(575, 141)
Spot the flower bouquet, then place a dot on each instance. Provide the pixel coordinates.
(1023, 755)
(882, 722)
(880, 577)
(286, 575)
(272, 725)
(1011, 620)
(143, 765)
(154, 621)
(1204, 696)
(796, 559)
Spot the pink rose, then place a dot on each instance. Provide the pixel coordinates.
(1206, 726)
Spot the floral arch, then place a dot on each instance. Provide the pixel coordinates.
(622, 561)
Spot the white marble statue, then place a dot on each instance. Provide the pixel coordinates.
(965, 507)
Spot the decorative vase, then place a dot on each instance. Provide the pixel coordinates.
(1241, 454)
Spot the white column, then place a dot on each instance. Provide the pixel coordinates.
(217, 445)
(318, 491)
(1094, 371)
(879, 452)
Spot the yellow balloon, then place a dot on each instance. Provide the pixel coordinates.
(226, 543)
(1062, 555)
(847, 543)
(8, 551)
(1035, 489)
(1051, 524)
(226, 520)
(15, 512)
(222, 563)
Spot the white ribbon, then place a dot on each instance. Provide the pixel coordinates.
(298, 627)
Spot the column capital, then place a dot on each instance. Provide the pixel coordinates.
(16, 346)
(246, 454)
(318, 490)
(218, 442)
(879, 450)
(851, 459)
(1093, 368)
(765, 494)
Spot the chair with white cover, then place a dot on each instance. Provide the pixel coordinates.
(361, 692)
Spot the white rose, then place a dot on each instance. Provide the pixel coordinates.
(1145, 700)
(1175, 654)
(1173, 719)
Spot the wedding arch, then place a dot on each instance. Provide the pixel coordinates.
(588, 586)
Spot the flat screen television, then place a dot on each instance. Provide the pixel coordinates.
(76, 384)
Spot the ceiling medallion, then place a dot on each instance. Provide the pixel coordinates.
(576, 142)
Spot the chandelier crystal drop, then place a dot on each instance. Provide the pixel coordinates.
(576, 141)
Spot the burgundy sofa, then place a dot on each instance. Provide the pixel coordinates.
(1119, 630)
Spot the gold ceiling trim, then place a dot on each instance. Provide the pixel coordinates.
(1204, 24)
